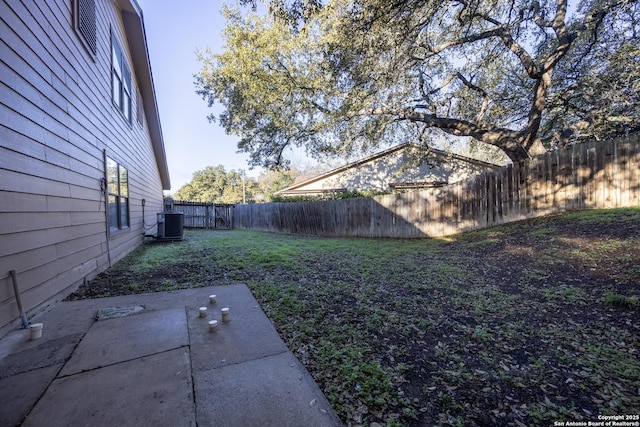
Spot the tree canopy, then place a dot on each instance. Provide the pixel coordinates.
(270, 181)
(339, 76)
(215, 185)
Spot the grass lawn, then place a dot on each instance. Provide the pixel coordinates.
(524, 324)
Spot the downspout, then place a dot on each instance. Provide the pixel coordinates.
(25, 323)
(105, 192)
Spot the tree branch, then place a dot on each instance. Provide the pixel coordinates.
(543, 84)
(494, 32)
(485, 96)
(506, 139)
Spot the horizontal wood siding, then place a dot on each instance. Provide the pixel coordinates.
(585, 176)
(56, 122)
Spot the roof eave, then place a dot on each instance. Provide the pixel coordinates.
(383, 154)
(136, 37)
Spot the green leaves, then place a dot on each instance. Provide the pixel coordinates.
(345, 76)
(215, 185)
(272, 94)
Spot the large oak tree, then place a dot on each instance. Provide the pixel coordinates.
(345, 75)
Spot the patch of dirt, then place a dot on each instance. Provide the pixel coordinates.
(525, 324)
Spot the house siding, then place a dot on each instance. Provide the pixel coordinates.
(381, 171)
(57, 121)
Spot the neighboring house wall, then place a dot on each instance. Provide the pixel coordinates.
(58, 123)
(392, 169)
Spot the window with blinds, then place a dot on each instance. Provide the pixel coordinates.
(120, 80)
(118, 195)
(139, 109)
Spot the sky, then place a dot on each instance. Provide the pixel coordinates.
(174, 31)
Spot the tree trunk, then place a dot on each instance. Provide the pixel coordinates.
(536, 148)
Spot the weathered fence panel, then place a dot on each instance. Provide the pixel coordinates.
(585, 176)
(204, 215)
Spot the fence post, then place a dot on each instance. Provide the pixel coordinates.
(581, 176)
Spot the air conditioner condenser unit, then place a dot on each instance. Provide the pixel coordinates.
(170, 225)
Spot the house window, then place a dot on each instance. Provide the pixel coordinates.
(84, 20)
(118, 195)
(120, 80)
(139, 109)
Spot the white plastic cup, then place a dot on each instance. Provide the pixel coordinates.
(212, 299)
(225, 314)
(35, 331)
(213, 325)
(203, 311)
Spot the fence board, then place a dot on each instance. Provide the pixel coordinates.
(203, 215)
(584, 176)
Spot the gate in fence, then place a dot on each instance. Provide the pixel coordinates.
(203, 215)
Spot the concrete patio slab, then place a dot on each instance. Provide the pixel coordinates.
(154, 390)
(18, 393)
(38, 354)
(157, 365)
(246, 336)
(272, 391)
(125, 338)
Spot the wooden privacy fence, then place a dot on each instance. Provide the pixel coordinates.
(583, 176)
(203, 215)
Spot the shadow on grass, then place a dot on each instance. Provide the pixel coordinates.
(524, 324)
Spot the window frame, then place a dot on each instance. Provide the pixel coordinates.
(139, 108)
(121, 95)
(117, 196)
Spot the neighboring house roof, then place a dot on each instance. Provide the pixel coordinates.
(134, 27)
(306, 177)
(298, 186)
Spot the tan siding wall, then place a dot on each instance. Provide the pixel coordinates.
(56, 122)
(395, 166)
(380, 173)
